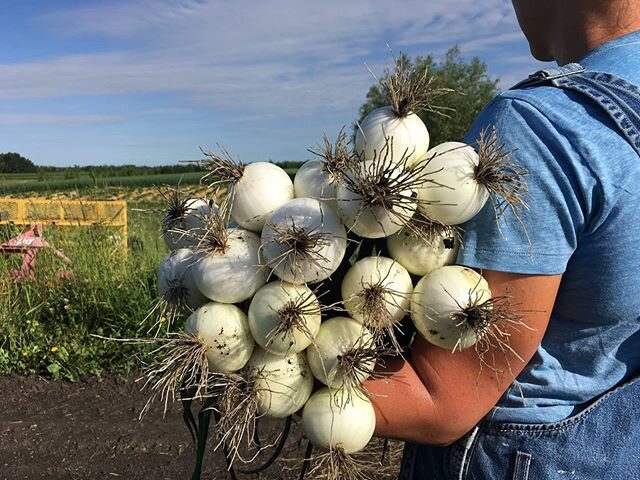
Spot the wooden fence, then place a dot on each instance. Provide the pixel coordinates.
(66, 213)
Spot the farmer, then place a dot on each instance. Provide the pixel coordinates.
(571, 266)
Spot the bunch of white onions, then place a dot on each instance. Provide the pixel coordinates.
(286, 281)
(248, 296)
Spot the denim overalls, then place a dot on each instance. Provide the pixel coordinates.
(600, 442)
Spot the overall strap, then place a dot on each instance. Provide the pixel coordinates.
(619, 98)
(549, 74)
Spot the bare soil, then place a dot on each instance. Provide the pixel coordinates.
(90, 430)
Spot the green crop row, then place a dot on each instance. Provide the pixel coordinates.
(58, 184)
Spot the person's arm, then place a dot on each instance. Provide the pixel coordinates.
(437, 396)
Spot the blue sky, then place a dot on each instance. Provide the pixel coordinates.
(150, 81)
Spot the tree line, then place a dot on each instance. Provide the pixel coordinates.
(12, 162)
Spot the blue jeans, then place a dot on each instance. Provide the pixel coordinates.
(601, 442)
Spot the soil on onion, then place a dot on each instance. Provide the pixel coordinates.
(90, 430)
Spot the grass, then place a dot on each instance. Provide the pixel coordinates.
(55, 182)
(46, 324)
(85, 184)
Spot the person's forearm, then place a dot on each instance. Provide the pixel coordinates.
(404, 408)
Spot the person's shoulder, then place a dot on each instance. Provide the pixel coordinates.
(519, 109)
(534, 94)
(534, 122)
(530, 110)
(533, 99)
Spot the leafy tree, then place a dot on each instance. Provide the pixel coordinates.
(289, 164)
(471, 89)
(12, 162)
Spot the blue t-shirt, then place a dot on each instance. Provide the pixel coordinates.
(583, 221)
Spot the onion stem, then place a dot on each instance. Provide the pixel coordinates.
(178, 206)
(432, 232)
(336, 464)
(183, 365)
(292, 316)
(171, 305)
(237, 404)
(487, 319)
(223, 168)
(500, 175)
(390, 185)
(336, 158)
(410, 89)
(215, 239)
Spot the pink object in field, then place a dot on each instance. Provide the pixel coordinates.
(29, 244)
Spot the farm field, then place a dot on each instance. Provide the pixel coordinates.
(71, 402)
(46, 324)
(90, 431)
(36, 184)
(87, 185)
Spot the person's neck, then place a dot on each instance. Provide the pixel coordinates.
(580, 34)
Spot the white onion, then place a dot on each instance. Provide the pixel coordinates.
(329, 421)
(338, 336)
(263, 188)
(313, 180)
(385, 274)
(373, 220)
(224, 329)
(422, 255)
(175, 273)
(409, 135)
(453, 165)
(440, 298)
(320, 225)
(234, 275)
(280, 303)
(283, 384)
(182, 232)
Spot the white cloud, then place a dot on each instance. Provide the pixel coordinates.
(297, 57)
(123, 19)
(253, 65)
(53, 119)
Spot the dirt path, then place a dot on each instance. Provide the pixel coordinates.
(59, 430)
